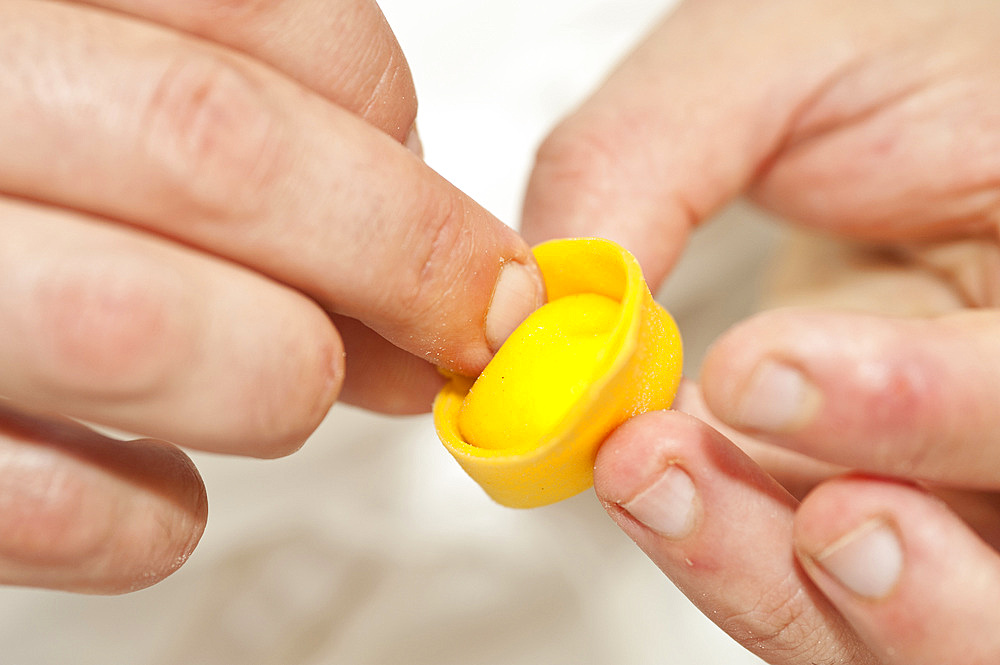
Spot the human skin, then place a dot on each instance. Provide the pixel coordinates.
(875, 129)
(215, 223)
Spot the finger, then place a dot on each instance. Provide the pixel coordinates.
(681, 127)
(113, 326)
(722, 531)
(828, 113)
(908, 397)
(226, 155)
(81, 512)
(798, 474)
(912, 579)
(382, 377)
(970, 266)
(820, 271)
(342, 49)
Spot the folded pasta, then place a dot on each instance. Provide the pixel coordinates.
(600, 351)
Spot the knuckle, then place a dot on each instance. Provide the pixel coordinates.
(440, 240)
(52, 517)
(110, 328)
(777, 623)
(375, 82)
(287, 401)
(213, 136)
(204, 17)
(899, 394)
(583, 154)
(390, 100)
(235, 8)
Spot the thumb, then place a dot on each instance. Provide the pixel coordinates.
(684, 124)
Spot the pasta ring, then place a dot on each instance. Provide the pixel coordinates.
(599, 352)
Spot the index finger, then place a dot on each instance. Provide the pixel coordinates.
(226, 155)
(341, 49)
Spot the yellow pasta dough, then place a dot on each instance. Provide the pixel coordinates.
(537, 376)
(599, 352)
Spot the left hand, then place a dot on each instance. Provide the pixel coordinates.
(210, 229)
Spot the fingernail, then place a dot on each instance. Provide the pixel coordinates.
(778, 398)
(666, 506)
(518, 292)
(413, 142)
(868, 560)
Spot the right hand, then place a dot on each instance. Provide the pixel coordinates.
(204, 204)
(876, 123)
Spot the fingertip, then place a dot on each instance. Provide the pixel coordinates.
(519, 291)
(635, 453)
(720, 528)
(844, 510)
(861, 549)
(592, 177)
(655, 475)
(178, 499)
(773, 374)
(912, 579)
(90, 514)
(889, 395)
(644, 479)
(733, 355)
(275, 418)
(643, 448)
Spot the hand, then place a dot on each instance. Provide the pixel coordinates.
(865, 570)
(871, 123)
(204, 205)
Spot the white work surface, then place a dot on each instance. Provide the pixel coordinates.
(370, 546)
